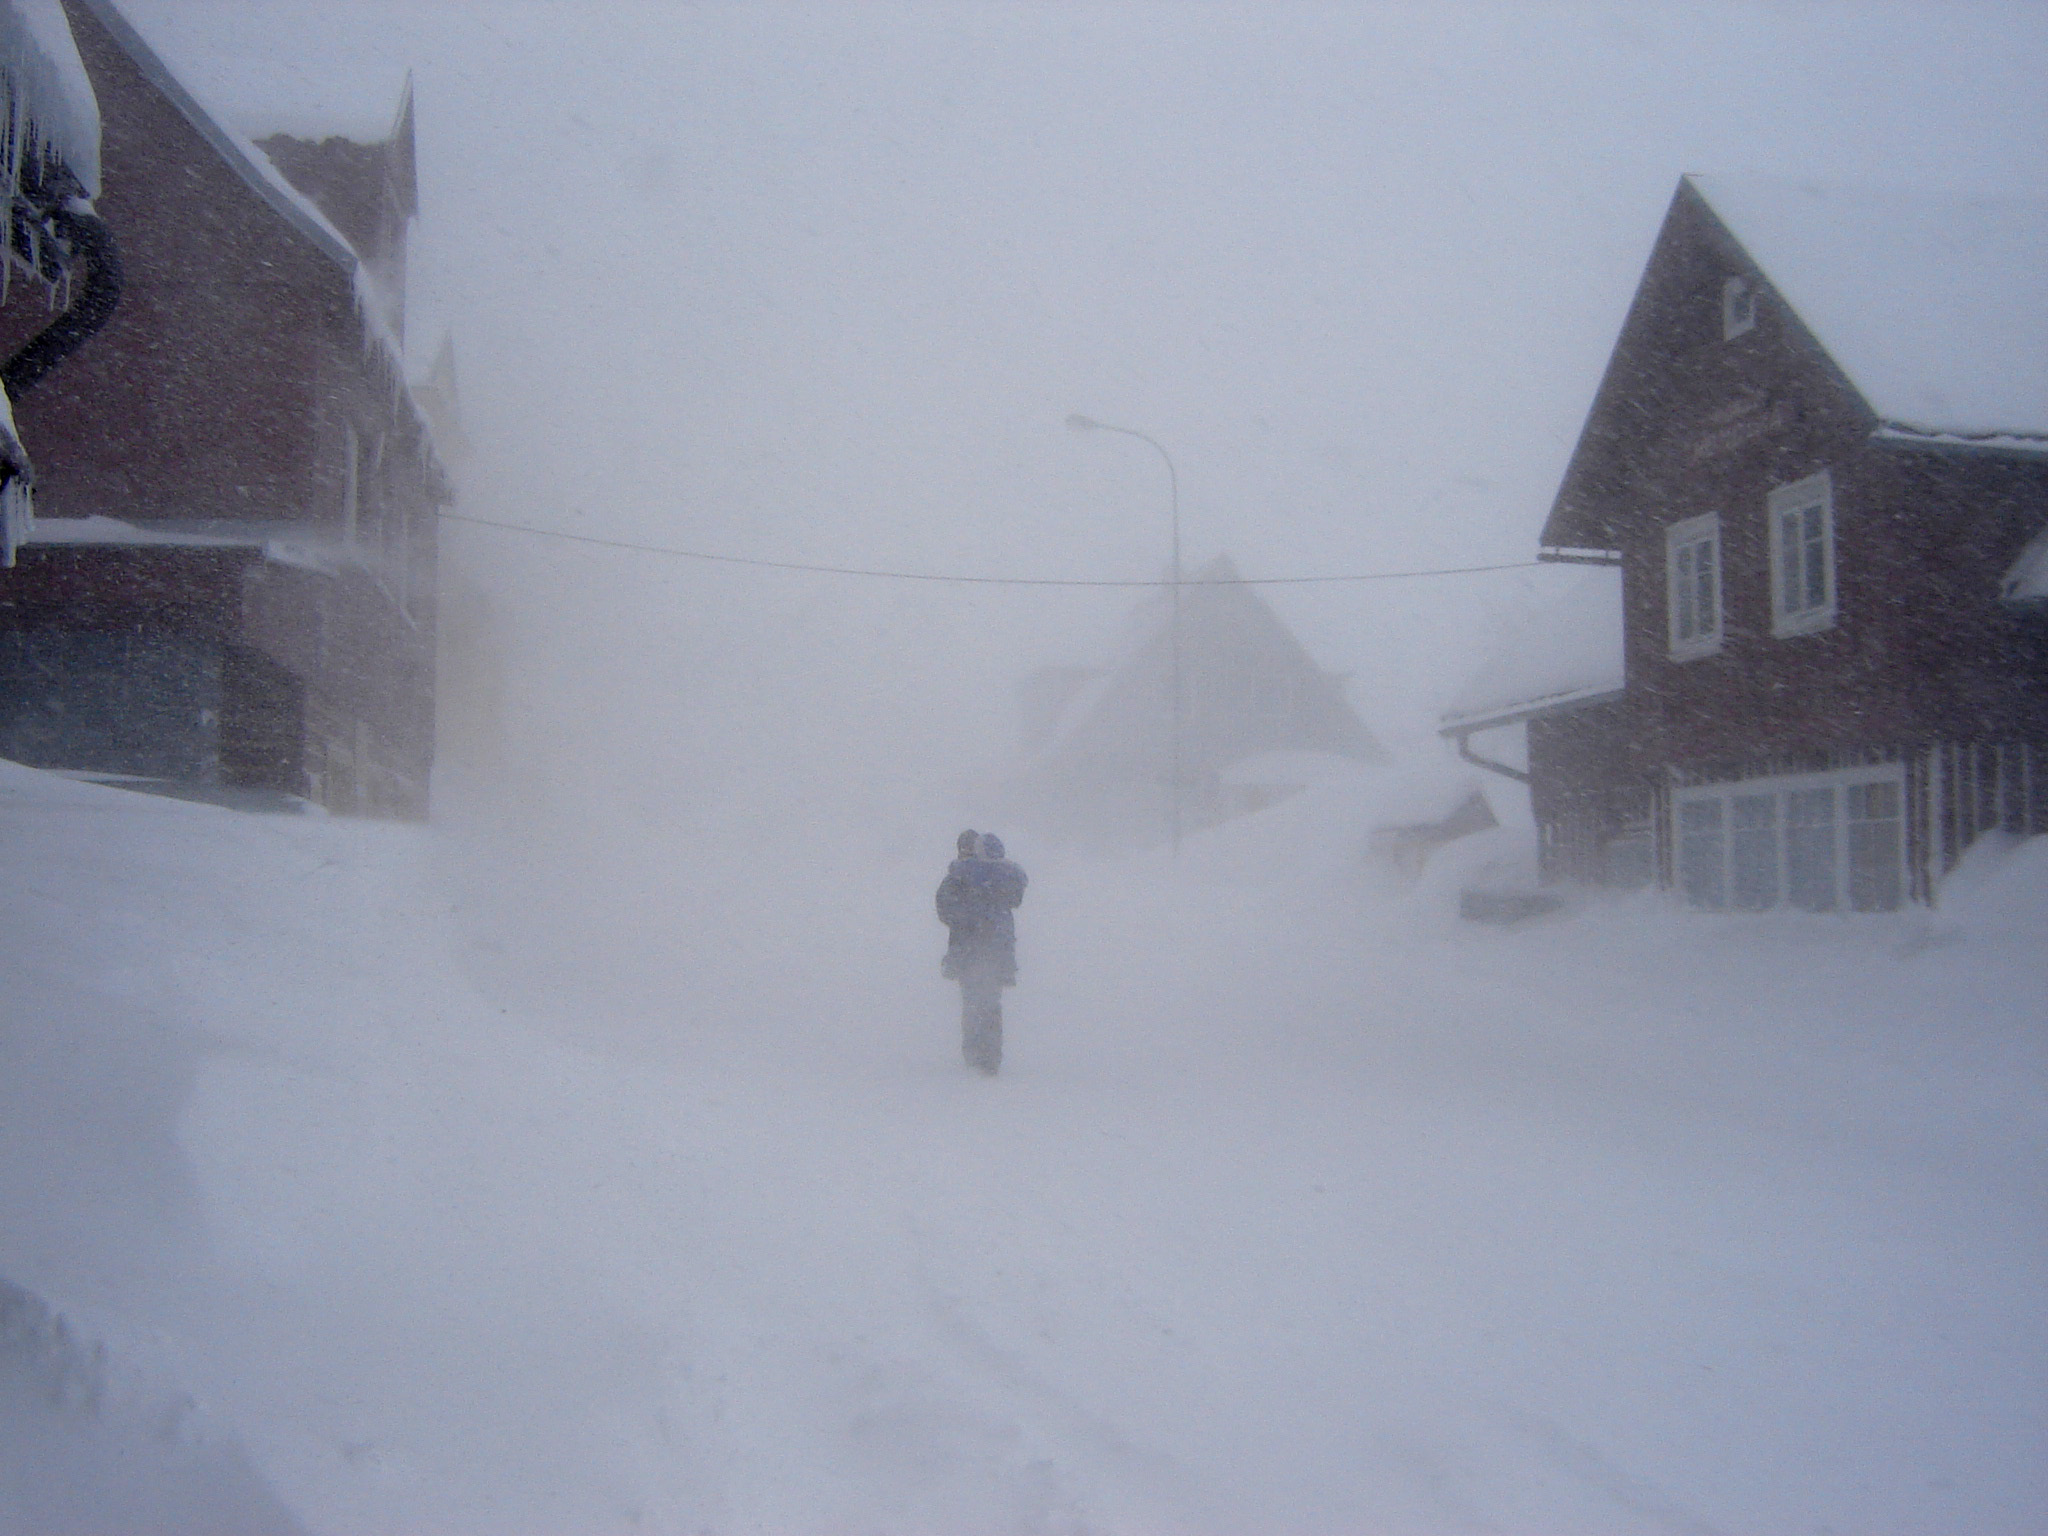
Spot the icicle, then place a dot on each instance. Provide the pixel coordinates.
(13, 174)
(16, 126)
(17, 518)
(48, 85)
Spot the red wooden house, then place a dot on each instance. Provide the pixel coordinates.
(229, 581)
(1819, 458)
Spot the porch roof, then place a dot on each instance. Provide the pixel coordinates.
(1564, 653)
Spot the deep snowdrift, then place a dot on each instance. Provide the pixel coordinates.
(1298, 1207)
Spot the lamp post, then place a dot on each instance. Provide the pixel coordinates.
(1082, 423)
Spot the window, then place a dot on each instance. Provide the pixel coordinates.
(1738, 307)
(1810, 816)
(1754, 856)
(1817, 842)
(1871, 818)
(1703, 851)
(1692, 564)
(1802, 524)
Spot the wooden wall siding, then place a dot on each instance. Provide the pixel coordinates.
(1985, 787)
(1584, 789)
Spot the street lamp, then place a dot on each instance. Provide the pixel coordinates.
(1082, 423)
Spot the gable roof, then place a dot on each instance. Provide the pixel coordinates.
(1935, 308)
(1218, 610)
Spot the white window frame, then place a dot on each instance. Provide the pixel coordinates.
(1738, 307)
(1796, 608)
(1840, 834)
(1683, 542)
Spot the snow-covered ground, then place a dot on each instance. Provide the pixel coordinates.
(1298, 1207)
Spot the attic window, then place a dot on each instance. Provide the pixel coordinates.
(1738, 307)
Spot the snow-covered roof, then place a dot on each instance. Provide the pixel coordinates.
(2027, 580)
(50, 85)
(1936, 308)
(1565, 651)
(111, 530)
(282, 543)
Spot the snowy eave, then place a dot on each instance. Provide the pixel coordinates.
(112, 531)
(1934, 307)
(40, 60)
(281, 543)
(1899, 434)
(1454, 723)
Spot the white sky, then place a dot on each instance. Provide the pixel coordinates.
(821, 283)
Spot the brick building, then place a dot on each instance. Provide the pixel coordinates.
(228, 586)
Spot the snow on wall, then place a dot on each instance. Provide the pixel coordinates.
(42, 66)
(2027, 580)
(1935, 307)
(17, 508)
(1567, 650)
(53, 107)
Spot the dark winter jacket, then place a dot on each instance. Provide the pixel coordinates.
(975, 902)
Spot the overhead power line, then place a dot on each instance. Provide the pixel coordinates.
(979, 581)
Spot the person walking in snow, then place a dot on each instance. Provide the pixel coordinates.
(959, 901)
(975, 901)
